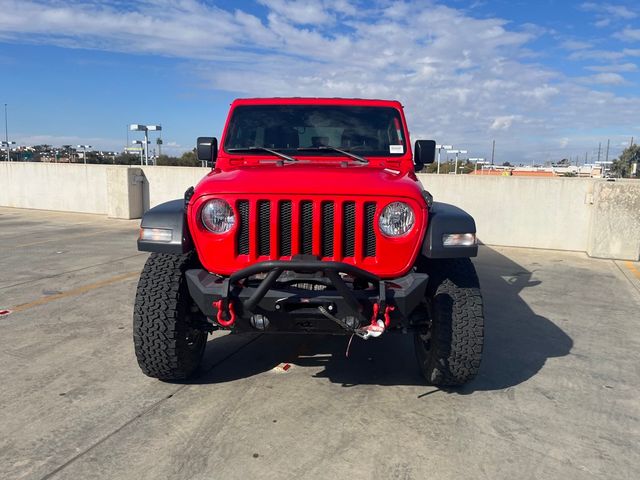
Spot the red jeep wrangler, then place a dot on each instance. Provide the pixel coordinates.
(311, 220)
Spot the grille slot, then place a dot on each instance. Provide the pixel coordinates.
(369, 232)
(285, 228)
(306, 227)
(243, 227)
(349, 229)
(327, 229)
(264, 228)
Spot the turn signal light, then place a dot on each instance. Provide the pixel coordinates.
(459, 239)
(156, 234)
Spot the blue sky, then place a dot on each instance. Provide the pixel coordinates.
(545, 79)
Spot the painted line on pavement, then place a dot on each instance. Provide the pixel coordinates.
(67, 272)
(633, 269)
(76, 291)
(63, 239)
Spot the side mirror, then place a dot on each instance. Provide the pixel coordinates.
(207, 149)
(425, 152)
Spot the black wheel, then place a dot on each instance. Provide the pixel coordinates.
(167, 327)
(449, 349)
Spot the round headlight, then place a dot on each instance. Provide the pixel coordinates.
(396, 219)
(217, 216)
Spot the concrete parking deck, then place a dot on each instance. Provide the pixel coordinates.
(557, 396)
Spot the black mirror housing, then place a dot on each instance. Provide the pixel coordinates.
(207, 149)
(425, 153)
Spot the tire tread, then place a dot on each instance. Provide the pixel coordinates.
(160, 319)
(457, 323)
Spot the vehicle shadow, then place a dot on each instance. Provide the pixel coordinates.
(517, 343)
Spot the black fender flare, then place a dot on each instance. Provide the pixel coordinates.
(167, 216)
(444, 219)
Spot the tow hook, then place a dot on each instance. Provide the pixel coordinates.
(379, 322)
(223, 305)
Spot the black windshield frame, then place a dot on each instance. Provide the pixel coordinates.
(368, 131)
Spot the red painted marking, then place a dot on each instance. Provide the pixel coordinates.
(4, 313)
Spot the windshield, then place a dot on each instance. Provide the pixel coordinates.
(367, 131)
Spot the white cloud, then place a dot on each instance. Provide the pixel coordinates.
(609, 55)
(504, 122)
(300, 11)
(608, 13)
(628, 35)
(463, 80)
(616, 67)
(606, 78)
(576, 45)
(619, 11)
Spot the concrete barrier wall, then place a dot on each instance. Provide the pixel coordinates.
(595, 216)
(521, 212)
(54, 186)
(168, 183)
(615, 223)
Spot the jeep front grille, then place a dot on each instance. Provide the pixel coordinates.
(323, 228)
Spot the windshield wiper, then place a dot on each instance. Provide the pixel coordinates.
(335, 149)
(264, 149)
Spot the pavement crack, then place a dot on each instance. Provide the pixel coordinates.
(149, 409)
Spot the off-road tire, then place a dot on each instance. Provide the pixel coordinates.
(450, 349)
(167, 335)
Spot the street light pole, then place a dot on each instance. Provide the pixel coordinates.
(476, 160)
(440, 148)
(8, 145)
(84, 152)
(139, 142)
(457, 152)
(6, 131)
(146, 146)
(146, 129)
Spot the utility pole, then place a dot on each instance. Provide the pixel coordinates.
(6, 132)
(606, 158)
(493, 151)
(631, 144)
(599, 148)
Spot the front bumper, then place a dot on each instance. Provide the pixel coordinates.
(306, 296)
